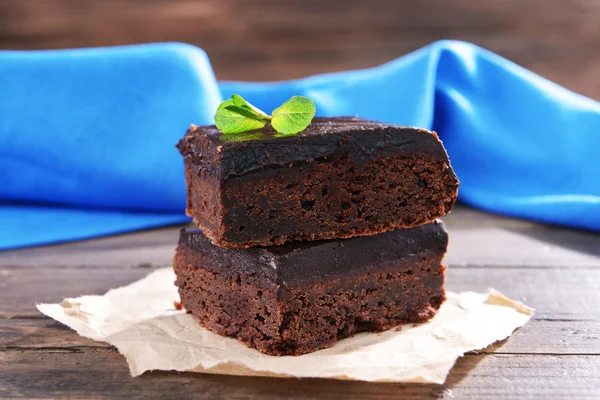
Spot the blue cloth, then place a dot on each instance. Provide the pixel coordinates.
(87, 136)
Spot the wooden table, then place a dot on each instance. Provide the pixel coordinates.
(556, 355)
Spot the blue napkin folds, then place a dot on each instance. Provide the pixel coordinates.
(87, 136)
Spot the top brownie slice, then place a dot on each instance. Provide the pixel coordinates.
(339, 178)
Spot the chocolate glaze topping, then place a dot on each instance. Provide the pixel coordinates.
(237, 154)
(297, 264)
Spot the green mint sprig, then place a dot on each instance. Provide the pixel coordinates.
(236, 115)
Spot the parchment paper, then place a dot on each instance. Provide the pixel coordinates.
(142, 322)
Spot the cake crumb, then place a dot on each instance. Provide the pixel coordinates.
(178, 305)
(193, 128)
(398, 328)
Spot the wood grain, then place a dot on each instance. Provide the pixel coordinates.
(60, 374)
(42, 334)
(544, 337)
(556, 355)
(280, 39)
(153, 248)
(22, 288)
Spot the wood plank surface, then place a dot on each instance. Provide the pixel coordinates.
(281, 39)
(154, 248)
(540, 336)
(102, 373)
(22, 288)
(557, 355)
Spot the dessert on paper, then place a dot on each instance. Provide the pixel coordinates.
(320, 255)
(142, 322)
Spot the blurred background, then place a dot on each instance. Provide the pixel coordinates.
(281, 39)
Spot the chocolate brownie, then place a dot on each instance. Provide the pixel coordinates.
(339, 178)
(302, 297)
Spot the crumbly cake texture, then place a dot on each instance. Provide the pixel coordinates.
(340, 178)
(302, 297)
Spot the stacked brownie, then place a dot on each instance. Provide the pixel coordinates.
(307, 239)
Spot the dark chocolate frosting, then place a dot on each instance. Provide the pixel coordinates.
(297, 264)
(227, 155)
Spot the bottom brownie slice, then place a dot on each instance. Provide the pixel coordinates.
(302, 297)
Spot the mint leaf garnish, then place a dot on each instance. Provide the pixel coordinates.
(245, 112)
(236, 115)
(229, 119)
(294, 115)
(240, 102)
